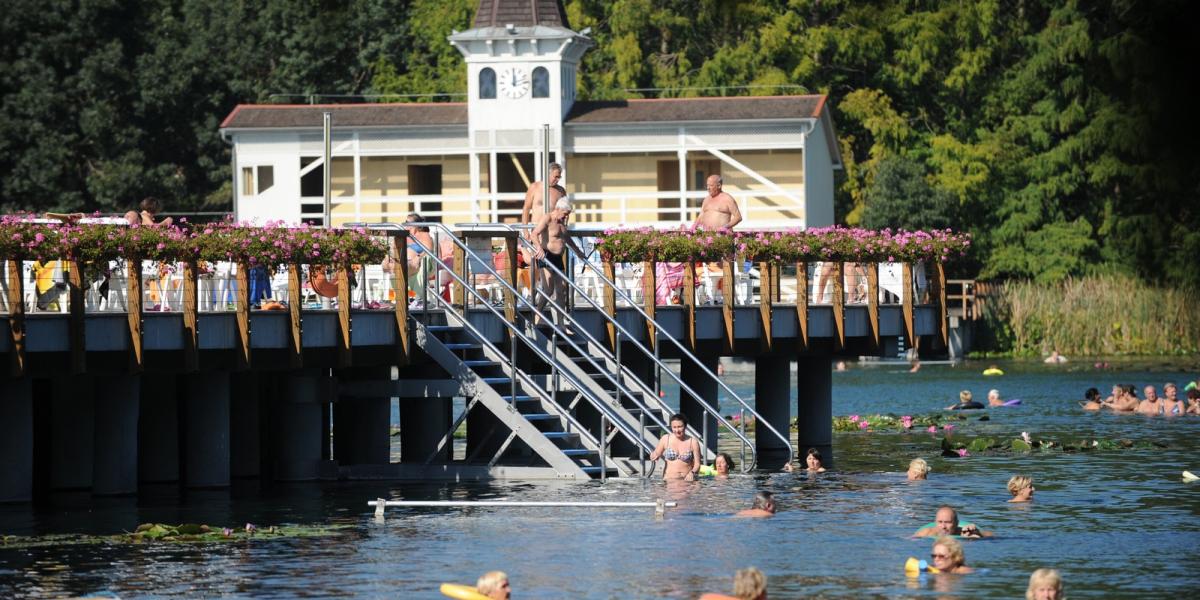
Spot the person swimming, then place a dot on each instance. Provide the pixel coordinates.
(965, 402)
(918, 469)
(1091, 400)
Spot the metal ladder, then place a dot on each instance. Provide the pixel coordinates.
(544, 419)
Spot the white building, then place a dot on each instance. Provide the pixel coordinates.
(629, 162)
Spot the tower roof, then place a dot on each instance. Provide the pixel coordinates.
(521, 13)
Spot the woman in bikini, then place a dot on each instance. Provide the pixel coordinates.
(681, 451)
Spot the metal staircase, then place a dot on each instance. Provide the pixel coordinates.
(540, 399)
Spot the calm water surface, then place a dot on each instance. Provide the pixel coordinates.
(1118, 524)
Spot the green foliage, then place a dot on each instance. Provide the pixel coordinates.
(1059, 132)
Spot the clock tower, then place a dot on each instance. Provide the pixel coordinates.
(521, 60)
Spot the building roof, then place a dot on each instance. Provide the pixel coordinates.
(697, 109)
(272, 116)
(520, 13)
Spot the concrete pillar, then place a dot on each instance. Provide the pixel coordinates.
(296, 418)
(158, 429)
(706, 387)
(814, 403)
(245, 446)
(204, 416)
(362, 431)
(422, 423)
(16, 440)
(71, 432)
(772, 400)
(115, 466)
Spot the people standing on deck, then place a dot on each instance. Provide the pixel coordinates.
(1151, 405)
(719, 209)
(680, 450)
(550, 239)
(534, 207)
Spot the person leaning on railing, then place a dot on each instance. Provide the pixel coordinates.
(149, 208)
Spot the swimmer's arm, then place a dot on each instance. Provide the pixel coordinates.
(658, 450)
(923, 532)
(735, 213)
(699, 458)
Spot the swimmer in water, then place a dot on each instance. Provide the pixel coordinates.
(965, 402)
(1021, 488)
(1091, 400)
(918, 469)
(994, 398)
(1172, 405)
(764, 506)
(723, 464)
(945, 522)
(948, 557)
(680, 450)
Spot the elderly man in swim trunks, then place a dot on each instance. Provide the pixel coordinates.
(946, 523)
(719, 209)
(550, 239)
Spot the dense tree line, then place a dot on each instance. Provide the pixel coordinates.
(1059, 132)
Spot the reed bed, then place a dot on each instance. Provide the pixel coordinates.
(1102, 315)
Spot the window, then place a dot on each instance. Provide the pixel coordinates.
(264, 175)
(541, 83)
(312, 183)
(487, 84)
(426, 180)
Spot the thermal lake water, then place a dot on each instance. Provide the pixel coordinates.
(1118, 524)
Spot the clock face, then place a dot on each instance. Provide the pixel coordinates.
(514, 82)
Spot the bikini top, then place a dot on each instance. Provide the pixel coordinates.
(671, 454)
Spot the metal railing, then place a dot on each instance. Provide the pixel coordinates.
(516, 334)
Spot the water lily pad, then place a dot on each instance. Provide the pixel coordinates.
(1021, 446)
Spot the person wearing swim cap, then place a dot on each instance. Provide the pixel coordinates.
(946, 523)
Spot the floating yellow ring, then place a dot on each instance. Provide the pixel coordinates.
(993, 371)
(462, 592)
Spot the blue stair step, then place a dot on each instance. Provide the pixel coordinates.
(443, 328)
(559, 435)
(481, 363)
(578, 452)
(539, 416)
(496, 380)
(462, 346)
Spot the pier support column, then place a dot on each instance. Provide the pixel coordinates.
(16, 440)
(115, 467)
(362, 424)
(772, 400)
(706, 387)
(158, 429)
(204, 417)
(245, 446)
(71, 432)
(814, 403)
(422, 423)
(297, 432)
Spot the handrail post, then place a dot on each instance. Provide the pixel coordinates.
(510, 273)
(241, 343)
(16, 318)
(764, 303)
(742, 426)
(873, 302)
(399, 246)
(906, 278)
(76, 325)
(603, 447)
(295, 317)
(937, 284)
(642, 435)
(133, 273)
(802, 302)
(460, 267)
(345, 326)
(191, 332)
(839, 306)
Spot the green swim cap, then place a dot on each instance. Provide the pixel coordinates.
(1190, 386)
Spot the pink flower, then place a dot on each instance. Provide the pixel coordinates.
(947, 427)
(863, 425)
(962, 452)
(853, 418)
(932, 429)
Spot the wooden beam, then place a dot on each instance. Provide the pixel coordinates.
(650, 299)
(802, 301)
(764, 304)
(775, 283)
(133, 274)
(400, 287)
(459, 297)
(873, 302)
(907, 299)
(728, 300)
(510, 275)
(191, 334)
(938, 283)
(610, 303)
(241, 342)
(16, 319)
(839, 306)
(689, 303)
(295, 317)
(75, 326)
(345, 357)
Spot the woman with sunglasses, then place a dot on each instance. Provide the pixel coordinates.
(947, 556)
